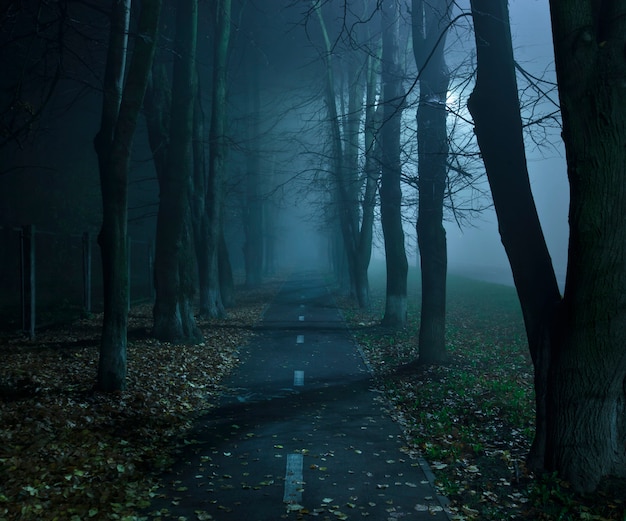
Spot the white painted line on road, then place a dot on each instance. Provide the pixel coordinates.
(293, 479)
(298, 378)
(300, 339)
(301, 318)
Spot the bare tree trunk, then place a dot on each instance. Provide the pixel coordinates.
(174, 264)
(199, 190)
(227, 280)
(350, 177)
(586, 435)
(430, 20)
(210, 297)
(269, 226)
(494, 105)
(339, 197)
(577, 345)
(372, 175)
(348, 180)
(390, 190)
(113, 143)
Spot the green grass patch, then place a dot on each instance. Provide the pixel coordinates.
(473, 418)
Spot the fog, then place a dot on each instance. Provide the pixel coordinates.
(292, 150)
(477, 249)
(474, 245)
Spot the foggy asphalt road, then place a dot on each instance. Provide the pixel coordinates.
(300, 432)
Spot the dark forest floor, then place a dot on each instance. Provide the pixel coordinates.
(67, 452)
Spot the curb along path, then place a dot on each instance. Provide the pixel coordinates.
(299, 431)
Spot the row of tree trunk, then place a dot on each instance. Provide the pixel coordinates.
(576, 341)
(190, 253)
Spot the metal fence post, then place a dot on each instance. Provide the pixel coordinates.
(27, 265)
(151, 271)
(87, 272)
(129, 269)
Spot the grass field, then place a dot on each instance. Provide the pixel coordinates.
(472, 419)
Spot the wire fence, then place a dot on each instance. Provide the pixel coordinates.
(48, 278)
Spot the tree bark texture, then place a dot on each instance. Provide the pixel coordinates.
(174, 258)
(390, 189)
(576, 344)
(210, 298)
(494, 105)
(587, 385)
(430, 21)
(113, 143)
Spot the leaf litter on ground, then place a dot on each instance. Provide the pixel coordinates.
(68, 452)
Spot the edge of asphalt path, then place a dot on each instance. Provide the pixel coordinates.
(443, 501)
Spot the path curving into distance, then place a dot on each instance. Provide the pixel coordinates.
(300, 431)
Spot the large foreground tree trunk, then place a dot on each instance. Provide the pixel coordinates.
(430, 21)
(494, 105)
(587, 385)
(390, 190)
(577, 345)
(113, 144)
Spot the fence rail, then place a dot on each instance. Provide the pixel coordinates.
(48, 277)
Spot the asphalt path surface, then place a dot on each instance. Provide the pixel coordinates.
(300, 432)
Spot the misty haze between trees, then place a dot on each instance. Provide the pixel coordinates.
(254, 138)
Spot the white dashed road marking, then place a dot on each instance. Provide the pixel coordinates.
(293, 479)
(298, 378)
(300, 339)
